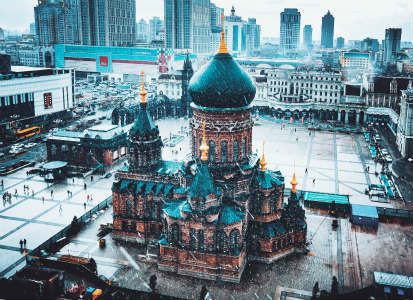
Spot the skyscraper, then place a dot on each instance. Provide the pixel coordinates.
(290, 20)
(188, 25)
(392, 44)
(308, 36)
(56, 22)
(32, 28)
(216, 25)
(86, 22)
(142, 30)
(340, 43)
(155, 28)
(370, 45)
(108, 22)
(327, 31)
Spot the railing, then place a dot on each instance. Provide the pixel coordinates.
(82, 220)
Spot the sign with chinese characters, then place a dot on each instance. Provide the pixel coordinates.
(103, 61)
(48, 100)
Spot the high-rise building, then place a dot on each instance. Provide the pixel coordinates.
(253, 35)
(392, 44)
(32, 28)
(370, 45)
(108, 22)
(188, 25)
(85, 22)
(216, 25)
(142, 30)
(340, 43)
(241, 36)
(308, 36)
(327, 31)
(56, 22)
(155, 27)
(290, 20)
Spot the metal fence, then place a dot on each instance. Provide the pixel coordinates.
(85, 218)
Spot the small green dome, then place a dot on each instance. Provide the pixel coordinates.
(221, 83)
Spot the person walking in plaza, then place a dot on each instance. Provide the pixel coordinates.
(84, 204)
(24, 243)
(60, 208)
(15, 192)
(84, 186)
(43, 199)
(314, 181)
(73, 180)
(21, 244)
(88, 197)
(51, 193)
(306, 170)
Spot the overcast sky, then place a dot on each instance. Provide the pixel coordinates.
(354, 19)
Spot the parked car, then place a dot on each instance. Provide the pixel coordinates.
(388, 158)
(384, 151)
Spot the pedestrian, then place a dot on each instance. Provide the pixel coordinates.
(21, 244)
(51, 193)
(15, 192)
(73, 180)
(91, 178)
(2, 183)
(296, 139)
(84, 185)
(68, 193)
(84, 204)
(43, 199)
(314, 181)
(88, 197)
(32, 193)
(91, 199)
(24, 243)
(306, 170)
(60, 209)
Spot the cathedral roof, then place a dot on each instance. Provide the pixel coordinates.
(272, 229)
(173, 209)
(268, 179)
(144, 124)
(221, 83)
(230, 215)
(203, 184)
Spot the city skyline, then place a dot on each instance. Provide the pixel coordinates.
(348, 15)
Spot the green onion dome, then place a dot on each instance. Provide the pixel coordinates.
(221, 83)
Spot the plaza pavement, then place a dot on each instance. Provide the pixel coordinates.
(37, 214)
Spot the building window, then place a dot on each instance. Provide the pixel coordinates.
(235, 152)
(211, 153)
(234, 241)
(224, 151)
(128, 208)
(221, 240)
(200, 240)
(174, 233)
(244, 147)
(192, 239)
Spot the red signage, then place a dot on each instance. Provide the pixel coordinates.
(104, 61)
(48, 102)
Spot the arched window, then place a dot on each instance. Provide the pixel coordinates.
(235, 152)
(200, 240)
(153, 210)
(221, 240)
(194, 144)
(54, 149)
(174, 233)
(274, 246)
(224, 151)
(128, 208)
(211, 153)
(234, 241)
(192, 239)
(244, 147)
